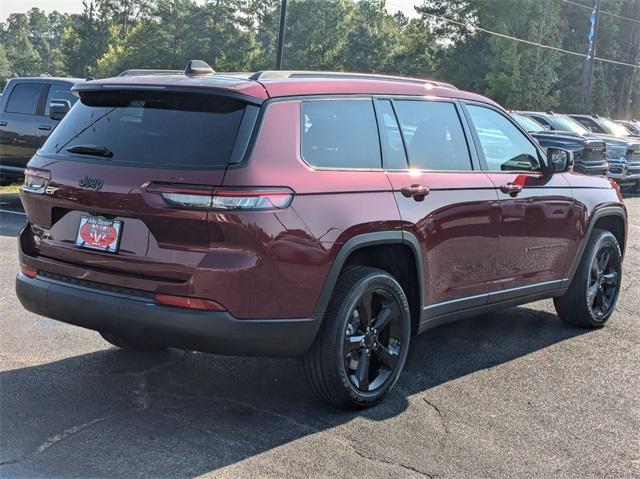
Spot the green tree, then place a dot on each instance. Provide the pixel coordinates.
(23, 57)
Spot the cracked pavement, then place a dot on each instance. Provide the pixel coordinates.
(512, 394)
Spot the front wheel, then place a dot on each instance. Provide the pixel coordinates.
(362, 347)
(593, 293)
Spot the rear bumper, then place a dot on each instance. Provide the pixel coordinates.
(137, 316)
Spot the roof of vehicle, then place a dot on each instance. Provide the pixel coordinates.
(48, 79)
(540, 113)
(144, 71)
(261, 86)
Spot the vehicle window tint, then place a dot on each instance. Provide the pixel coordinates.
(590, 124)
(433, 135)
(59, 92)
(25, 98)
(153, 129)
(395, 157)
(340, 134)
(543, 122)
(505, 147)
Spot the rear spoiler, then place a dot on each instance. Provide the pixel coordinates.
(82, 88)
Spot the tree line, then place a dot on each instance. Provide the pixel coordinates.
(442, 43)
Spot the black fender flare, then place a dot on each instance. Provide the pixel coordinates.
(598, 214)
(361, 241)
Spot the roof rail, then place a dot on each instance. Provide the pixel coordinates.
(280, 74)
(143, 71)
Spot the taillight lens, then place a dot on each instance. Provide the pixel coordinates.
(188, 302)
(231, 199)
(28, 271)
(223, 199)
(35, 181)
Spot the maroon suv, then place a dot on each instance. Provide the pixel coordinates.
(322, 215)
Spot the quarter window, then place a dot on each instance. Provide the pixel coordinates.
(25, 98)
(340, 134)
(433, 135)
(505, 147)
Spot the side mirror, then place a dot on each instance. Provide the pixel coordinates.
(560, 160)
(58, 109)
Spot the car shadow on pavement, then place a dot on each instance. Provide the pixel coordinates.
(176, 414)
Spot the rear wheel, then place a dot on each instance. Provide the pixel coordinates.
(593, 293)
(361, 349)
(131, 344)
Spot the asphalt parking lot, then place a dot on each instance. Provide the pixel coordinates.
(514, 394)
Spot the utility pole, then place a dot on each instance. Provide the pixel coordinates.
(593, 37)
(280, 47)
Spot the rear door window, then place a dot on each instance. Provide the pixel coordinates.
(433, 135)
(153, 129)
(340, 134)
(25, 98)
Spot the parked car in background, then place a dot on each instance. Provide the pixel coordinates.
(330, 216)
(589, 154)
(600, 125)
(27, 117)
(623, 154)
(632, 127)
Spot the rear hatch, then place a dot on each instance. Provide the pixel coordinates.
(101, 186)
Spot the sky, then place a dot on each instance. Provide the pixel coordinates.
(8, 7)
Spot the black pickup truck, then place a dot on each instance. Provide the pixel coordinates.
(589, 154)
(30, 108)
(623, 154)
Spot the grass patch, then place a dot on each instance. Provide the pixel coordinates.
(13, 188)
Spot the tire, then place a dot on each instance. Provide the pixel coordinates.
(131, 344)
(591, 298)
(360, 350)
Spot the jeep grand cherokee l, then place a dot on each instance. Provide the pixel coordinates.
(326, 216)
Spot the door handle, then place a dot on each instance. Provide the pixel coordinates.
(417, 192)
(3, 123)
(511, 189)
(44, 127)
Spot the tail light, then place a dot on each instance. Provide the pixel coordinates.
(188, 302)
(223, 199)
(35, 181)
(28, 271)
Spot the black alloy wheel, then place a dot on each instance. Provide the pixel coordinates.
(591, 297)
(603, 281)
(362, 346)
(372, 341)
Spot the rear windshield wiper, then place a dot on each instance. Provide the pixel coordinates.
(93, 150)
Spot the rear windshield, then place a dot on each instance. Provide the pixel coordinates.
(152, 129)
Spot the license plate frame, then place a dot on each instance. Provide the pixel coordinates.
(99, 233)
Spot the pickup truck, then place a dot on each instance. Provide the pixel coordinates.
(30, 108)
